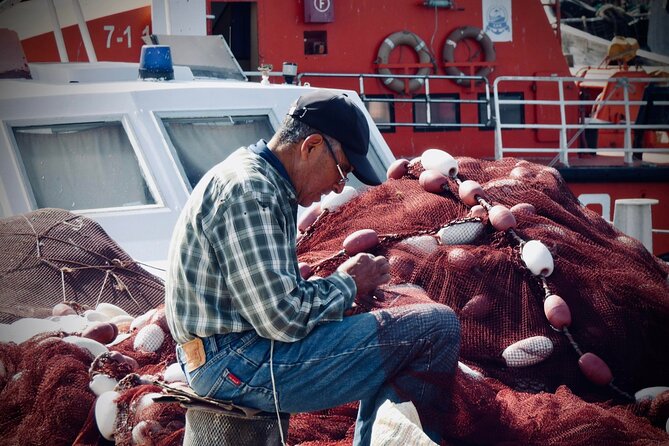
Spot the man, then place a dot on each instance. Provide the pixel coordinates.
(249, 328)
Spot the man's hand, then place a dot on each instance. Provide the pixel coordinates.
(368, 272)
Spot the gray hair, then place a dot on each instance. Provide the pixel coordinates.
(293, 131)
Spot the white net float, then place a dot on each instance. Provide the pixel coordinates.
(537, 258)
(334, 201)
(528, 351)
(106, 412)
(443, 162)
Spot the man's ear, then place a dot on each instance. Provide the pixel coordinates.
(310, 143)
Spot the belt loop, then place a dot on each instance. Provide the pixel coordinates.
(210, 344)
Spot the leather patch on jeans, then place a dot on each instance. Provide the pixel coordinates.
(194, 352)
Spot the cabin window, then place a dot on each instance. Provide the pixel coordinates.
(510, 113)
(201, 143)
(82, 166)
(382, 111)
(444, 113)
(315, 42)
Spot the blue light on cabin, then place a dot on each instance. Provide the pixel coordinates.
(155, 62)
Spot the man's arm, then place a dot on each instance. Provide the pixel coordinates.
(259, 262)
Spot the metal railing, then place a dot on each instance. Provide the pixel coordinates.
(426, 96)
(566, 142)
(570, 128)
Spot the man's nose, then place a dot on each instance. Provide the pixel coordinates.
(338, 187)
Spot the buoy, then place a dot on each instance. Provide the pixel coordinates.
(433, 181)
(468, 191)
(360, 241)
(105, 414)
(305, 270)
(443, 162)
(149, 338)
(501, 218)
(62, 309)
(95, 316)
(145, 431)
(174, 373)
(92, 346)
(649, 393)
(537, 258)
(140, 321)
(398, 168)
(121, 358)
(334, 201)
(477, 211)
(523, 208)
(110, 310)
(103, 332)
(557, 312)
(462, 259)
(462, 233)
(595, 369)
(308, 217)
(528, 351)
(102, 383)
(478, 307)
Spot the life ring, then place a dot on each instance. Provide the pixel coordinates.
(391, 42)
(468, 32)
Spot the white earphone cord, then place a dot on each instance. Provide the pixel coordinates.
(276, 401)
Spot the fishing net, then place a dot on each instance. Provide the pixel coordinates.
(616, 290)
(51, 255)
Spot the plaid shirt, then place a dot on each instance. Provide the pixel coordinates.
(232, 264)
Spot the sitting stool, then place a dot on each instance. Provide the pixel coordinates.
(215, 422)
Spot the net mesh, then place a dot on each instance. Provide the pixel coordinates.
(51, 255)
(616, 290)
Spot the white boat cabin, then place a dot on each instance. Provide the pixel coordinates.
(94, 139)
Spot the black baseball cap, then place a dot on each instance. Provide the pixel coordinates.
(337, 116)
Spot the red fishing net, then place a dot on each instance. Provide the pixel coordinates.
(616, 290)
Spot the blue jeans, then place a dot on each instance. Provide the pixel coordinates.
(403, 353)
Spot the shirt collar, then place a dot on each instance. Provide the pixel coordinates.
(260, 148)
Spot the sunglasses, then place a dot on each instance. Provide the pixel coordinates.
(344, 178)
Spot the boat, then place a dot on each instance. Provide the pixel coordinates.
(136, 146)
(82, 83)
(475, 86)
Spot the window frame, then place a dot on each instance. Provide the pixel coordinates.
(313, 33)
(456, 126)
(507, 95)
(159, 116)
(125, 121)
(391, 104)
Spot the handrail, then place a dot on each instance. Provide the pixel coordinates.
(493, 98)
(626, 125)
(427, 99)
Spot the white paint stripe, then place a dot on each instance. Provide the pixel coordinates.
(390, 43)
(29, 19)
